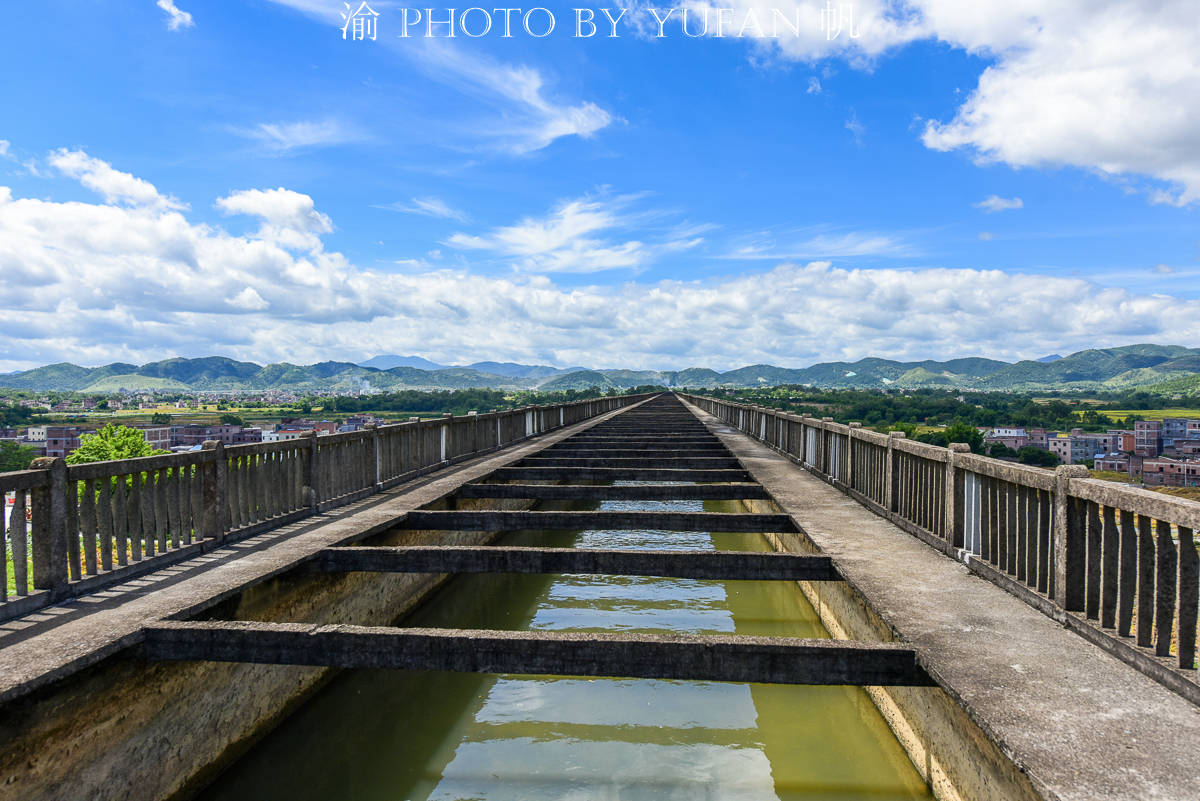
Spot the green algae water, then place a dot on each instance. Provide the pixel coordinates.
(417, 736)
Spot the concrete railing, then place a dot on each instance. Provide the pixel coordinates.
(74, 528)
(1118, 564)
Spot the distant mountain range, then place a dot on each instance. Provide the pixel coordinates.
(1161, 368)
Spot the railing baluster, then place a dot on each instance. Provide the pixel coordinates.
(120, 518)
(1188, 597)
(1094, 539)
(1109, 564)
(20, 545)
(74, 535)
(1127, 570)
(1166, 560)
(1145, 582)
(87, 524)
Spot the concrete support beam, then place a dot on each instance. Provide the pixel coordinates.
(654, 462)
(628, 521)
(643, 492)
(633, 451)
(707, 565)
(616, 474)
(775, 660)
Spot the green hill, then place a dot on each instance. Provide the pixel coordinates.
(1170, 369)
(133, 382)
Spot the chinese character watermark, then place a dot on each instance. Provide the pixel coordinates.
(832, 18)
(360, 24)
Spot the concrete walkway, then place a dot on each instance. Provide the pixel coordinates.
(57, 641)
(1083, 725)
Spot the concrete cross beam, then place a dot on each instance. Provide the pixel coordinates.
(640, 492)
(707, 565)
(578, 521)
(616, 474)
(670, 462)
(775, 660)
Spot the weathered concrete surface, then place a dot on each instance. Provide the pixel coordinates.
(596, 492)
(638, 521)
(668, 462)
(1082, 725)
(707, 565)
(78, 721)
(615, 474)
(709, 657)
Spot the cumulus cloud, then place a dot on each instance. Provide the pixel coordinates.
(1106, 85)
(289, 218)
(569, 239)
(176, 18)
(994, 203)
(1109, 86)
(156, 284)
(115, 186)
(4, 146)
(427, 207)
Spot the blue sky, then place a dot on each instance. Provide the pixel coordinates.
(189, 178)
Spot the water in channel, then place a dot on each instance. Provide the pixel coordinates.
(418, 736)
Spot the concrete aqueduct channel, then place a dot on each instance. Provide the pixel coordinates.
(618, 610)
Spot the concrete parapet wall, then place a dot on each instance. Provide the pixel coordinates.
(130, 729)
(952, 753)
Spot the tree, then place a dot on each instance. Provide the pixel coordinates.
(112, 442)
(14, 456)
(160, 419)
(962, 432)
(999, 449)
(231, 419)
(956, 432)
(1037, 456)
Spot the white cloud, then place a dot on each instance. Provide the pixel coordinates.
(176, 18)
(283, 137)
(1109, 86)
(569, 239)
(1163, 269)
(856, 128)
(4, 146)
(289, 218)
(157, 284)
(1105, 85)
(819, 242)
(427, 207)
(525, 117)
(113, 185)
(993, 203)
(986, 236)
(814, 87)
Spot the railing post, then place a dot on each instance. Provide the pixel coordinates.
(308, 480)
(50, 525)
(377, 450)
(953, 524)
(1068, 546)
(850, 429)
(213, 491)
(826, 448)
(889, 471)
